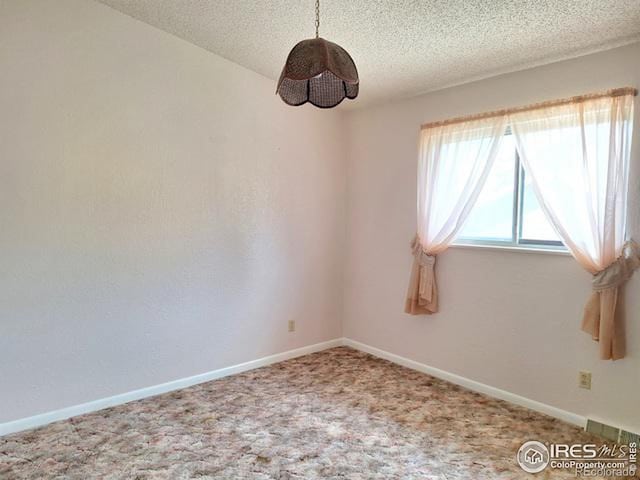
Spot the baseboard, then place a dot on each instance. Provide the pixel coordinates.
(64, 413)
(471, 384)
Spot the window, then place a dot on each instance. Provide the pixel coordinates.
(507, 212)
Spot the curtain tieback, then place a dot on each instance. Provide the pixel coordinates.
(427, 263)
(619, 271)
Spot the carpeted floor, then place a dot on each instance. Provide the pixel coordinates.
(338, 414)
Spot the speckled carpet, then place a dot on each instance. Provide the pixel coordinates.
(338, 414)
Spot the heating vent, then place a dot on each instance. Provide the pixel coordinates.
(612, 433)
(603, 430)
(628, 437)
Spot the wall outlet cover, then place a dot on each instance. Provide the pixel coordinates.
(584, 380)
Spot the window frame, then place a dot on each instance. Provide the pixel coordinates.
(516, 242)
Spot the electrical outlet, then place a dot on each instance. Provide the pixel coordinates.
(292, 325)
(584, 380)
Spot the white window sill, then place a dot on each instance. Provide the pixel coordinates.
(514, 249)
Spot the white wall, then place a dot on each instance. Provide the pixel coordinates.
(162, 212)
(510, 320)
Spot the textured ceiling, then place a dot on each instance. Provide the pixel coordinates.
(401, 47)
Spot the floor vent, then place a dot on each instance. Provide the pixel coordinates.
(629, 437)
(612, 433)
(603, 430)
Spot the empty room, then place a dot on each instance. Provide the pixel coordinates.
(319, 239)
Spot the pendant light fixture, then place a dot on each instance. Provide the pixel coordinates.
(319, 72)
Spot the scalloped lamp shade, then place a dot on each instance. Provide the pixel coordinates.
(319, 72)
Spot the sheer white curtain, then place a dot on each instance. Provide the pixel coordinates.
(577, 155)
(454, 162)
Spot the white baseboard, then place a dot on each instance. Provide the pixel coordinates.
(64, 413)
(471, 384)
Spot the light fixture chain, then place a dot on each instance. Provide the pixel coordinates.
(317, 18)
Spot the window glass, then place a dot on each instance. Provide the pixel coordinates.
(492, 215)
(507, 211)
(535, 225)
